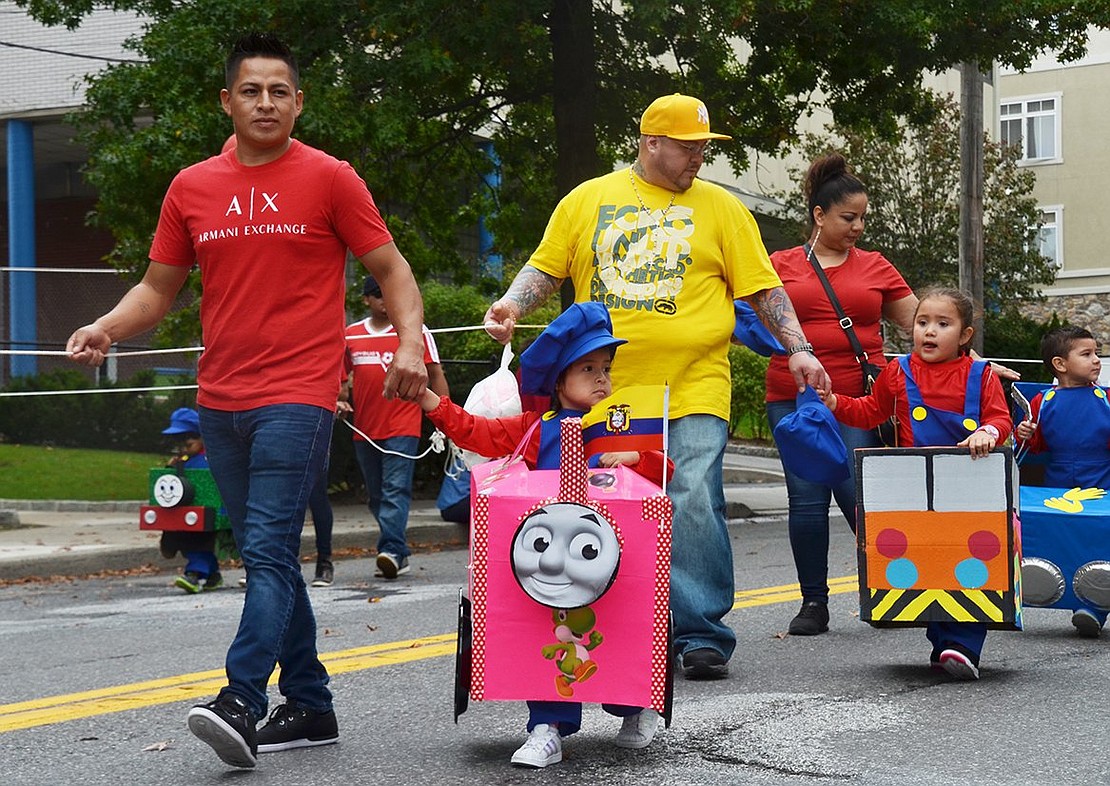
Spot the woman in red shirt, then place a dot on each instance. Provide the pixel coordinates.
(869, 289)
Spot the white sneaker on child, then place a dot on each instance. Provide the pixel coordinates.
(544, 746)
(637, 731)
(959, 665)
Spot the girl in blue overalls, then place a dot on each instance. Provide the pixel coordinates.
(941, 397)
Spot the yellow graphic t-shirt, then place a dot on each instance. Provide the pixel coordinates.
(668, 271)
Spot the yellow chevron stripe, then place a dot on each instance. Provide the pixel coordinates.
(882, 608)
(988, 603)
(915, 608)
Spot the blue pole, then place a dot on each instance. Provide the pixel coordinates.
(22, 305)
(491, 263)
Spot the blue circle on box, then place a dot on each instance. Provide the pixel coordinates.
(972, 573)
(901, 573)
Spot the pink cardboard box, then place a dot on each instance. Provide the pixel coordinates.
(569, 584)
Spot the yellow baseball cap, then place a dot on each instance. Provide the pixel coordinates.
(679, 117)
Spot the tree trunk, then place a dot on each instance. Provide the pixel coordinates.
(971, 192)
(574, 94)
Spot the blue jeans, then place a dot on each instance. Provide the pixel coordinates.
(265, 462)
(702, 583)
(809, 508)
(202, 562)
(322, 517)
(568, 714)
(969, 635)
(389, 489)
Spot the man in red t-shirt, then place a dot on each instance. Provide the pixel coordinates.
(269, 222)
(394, 426)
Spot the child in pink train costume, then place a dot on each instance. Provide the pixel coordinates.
(570, 362)
(941, 397)
(1072, 422)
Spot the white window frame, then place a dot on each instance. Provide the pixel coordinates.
(1023, 118)
(1057, 223)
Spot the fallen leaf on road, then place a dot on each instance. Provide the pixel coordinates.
(158, 746)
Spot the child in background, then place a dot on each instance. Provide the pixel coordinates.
(938, 383)
(202, 569)
(569, 362)
(1072, 422)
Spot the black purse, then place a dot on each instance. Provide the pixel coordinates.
(888, 429)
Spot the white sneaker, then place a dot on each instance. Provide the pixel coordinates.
(637, 731)
(544, 746)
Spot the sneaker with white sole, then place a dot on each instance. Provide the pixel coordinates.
(959, 665)
(227, 724)
(637, 731)
(325, 573)
(391, 566)
(1086, 623)
(544, 746)
(293, 726)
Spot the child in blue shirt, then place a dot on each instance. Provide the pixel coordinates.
(1072, 422)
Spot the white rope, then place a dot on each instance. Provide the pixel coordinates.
(94, 390)
(437, 443)
(57, 270)
(130, 353)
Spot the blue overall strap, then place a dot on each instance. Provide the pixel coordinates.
(973, 401)
(551, 436)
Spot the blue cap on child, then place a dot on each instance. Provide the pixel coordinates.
(809, 442)
(578, 331)
(183, 421)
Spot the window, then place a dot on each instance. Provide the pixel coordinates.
(1050, 235)
(1034, 124)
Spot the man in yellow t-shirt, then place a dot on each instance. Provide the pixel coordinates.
(667, 254)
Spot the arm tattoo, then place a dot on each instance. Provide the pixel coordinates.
(777, 312)
(531, 288)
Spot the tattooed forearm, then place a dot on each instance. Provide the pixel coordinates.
(530, 289)
(777, 312)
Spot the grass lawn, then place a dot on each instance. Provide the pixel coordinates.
(34, 472)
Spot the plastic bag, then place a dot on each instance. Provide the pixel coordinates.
(496, 396)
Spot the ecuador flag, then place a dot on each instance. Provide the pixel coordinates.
(633, 418)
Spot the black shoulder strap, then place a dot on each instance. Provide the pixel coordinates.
(845, 320)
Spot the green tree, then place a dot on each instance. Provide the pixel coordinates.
(913, 208)
(404, 90)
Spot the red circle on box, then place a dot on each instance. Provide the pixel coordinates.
(891, 543)
(983, 545)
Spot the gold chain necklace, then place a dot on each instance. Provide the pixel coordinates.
(644, 208)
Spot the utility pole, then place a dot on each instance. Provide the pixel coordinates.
(971, 192)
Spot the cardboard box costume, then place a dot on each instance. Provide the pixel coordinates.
(1066, 543)
(937, 537)
(183, 501)
(568, 597)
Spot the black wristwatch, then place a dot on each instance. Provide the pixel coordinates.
(794, 349)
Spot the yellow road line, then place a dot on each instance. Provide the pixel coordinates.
(202, 684)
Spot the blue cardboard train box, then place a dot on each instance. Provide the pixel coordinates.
(1066, 536)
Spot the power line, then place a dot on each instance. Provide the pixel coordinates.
(71, 54)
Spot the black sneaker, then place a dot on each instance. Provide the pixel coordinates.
(227, 724)
(813, 618)
(292, 726)
(704, 663)
(325, 573)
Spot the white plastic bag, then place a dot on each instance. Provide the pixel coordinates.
(496, 396)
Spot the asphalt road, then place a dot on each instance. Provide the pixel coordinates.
(96, 677)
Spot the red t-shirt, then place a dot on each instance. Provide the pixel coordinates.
(271, 242)
(942, 385)
(863, 284)
(369, 355)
